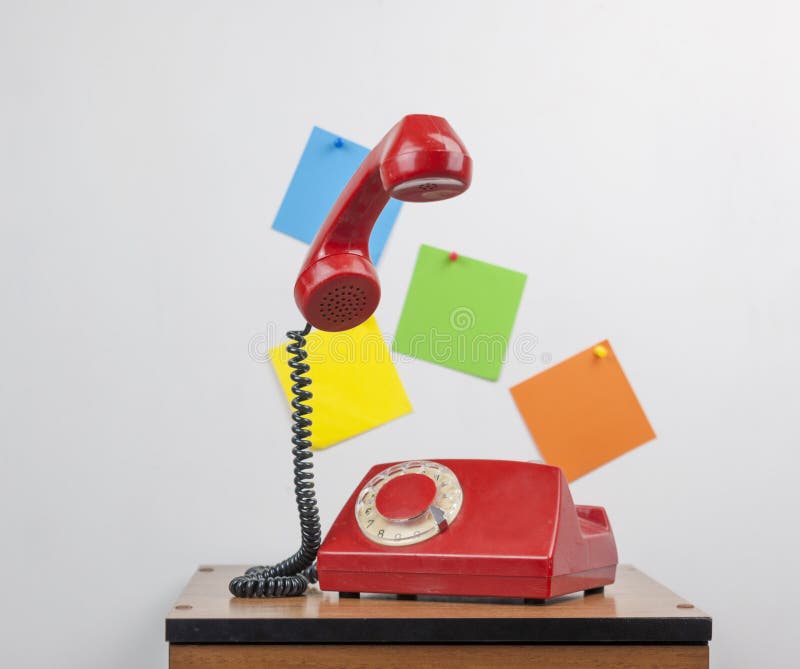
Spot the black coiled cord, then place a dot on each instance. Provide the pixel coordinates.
(292, 576)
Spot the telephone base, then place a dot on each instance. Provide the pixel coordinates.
(518, 535)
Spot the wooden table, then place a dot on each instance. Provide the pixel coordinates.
(635, 623)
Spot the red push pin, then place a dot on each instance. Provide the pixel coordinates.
(453, 255)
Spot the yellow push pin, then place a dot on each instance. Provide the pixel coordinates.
(600, 351)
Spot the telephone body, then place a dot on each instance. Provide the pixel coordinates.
(491, 528)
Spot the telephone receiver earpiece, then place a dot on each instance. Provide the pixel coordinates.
(421, 159)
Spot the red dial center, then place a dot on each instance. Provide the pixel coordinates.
(405, 497)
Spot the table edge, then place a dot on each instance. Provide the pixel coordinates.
(671, 630)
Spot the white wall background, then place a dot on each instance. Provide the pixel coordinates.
(638, 160)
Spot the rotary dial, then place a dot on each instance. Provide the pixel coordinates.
(408, 503)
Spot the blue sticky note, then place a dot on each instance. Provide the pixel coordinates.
(325, 167)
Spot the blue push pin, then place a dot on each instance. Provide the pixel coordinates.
(338, 143)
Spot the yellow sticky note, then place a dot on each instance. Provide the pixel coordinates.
(355, 384)
(583, 413)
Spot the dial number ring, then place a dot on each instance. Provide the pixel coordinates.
(432, 521)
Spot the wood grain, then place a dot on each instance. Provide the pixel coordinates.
(435, 657)
(634, 595)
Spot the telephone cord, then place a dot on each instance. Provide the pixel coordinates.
(292, 576)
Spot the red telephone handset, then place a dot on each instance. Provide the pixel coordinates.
(421, 159)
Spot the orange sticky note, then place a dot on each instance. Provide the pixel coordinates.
(583, 413)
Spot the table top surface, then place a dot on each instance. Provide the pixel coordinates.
(635, 609)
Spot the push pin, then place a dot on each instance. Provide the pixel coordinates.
(338, 143)
(600, 351)
(453, 255)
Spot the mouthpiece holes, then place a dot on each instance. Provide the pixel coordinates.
(343, 304)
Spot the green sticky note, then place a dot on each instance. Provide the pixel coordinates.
(459, 313)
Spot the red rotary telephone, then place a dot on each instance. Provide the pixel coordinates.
(490, 528)
(445, 527)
